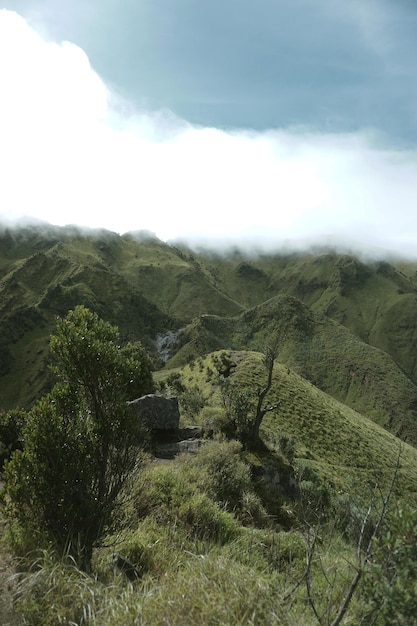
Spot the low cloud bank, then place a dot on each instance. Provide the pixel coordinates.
(73, 152)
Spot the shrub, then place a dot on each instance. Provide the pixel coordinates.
(192, 401)
(226, 476)
(239, 407)
(11, 432)
(215, 421)
(79, 439)
(205, 520)
(390, 583)
(160, 491)
(287, 446)
(314, 492)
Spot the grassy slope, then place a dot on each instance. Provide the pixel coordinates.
(146, 287)
(322, 351)
(346, 447)
(367, 297)
(227, 580)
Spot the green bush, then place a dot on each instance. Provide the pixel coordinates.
(239, 408)
(79, 440)
(204, 519)
(251, 510)
(314, 493)
(191, 402)
(160, 491)
(214, 420)
(287, 446)
(11, 432)
(55, 593)
(226, 475)
(390, 582)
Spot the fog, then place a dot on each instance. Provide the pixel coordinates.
(73, 151)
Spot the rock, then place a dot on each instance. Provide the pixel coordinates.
(170, 450)
(156, 412)
(191, 445)
(190, 432)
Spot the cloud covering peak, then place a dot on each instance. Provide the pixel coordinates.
(73, 151)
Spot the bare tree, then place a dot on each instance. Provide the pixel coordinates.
(364, 549)
(268, 361)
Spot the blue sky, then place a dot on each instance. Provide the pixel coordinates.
(269, 122)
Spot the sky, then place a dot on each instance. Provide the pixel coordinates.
(280, 122)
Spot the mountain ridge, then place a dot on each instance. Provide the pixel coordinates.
(346, 324)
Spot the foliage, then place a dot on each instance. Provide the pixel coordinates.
(191, 401)
(238, 403)
(226, 475)
(89, 356)
(246, 410)
(80, 440)
(173, 384)
(11, 432)
(390, 585)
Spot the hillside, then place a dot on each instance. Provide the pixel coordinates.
(342, 445)
(319, 349)
(223, 535)
(345, 324)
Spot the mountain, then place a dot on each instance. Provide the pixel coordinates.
(345, 324)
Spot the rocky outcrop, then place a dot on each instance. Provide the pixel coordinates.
(156, 412)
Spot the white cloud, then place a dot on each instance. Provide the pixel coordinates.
(72, 152)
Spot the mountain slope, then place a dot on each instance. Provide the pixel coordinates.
(346, 447)
(319, 349)
(347, 325)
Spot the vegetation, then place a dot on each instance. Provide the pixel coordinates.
(314, 525)
(80, 442)
(391, 581)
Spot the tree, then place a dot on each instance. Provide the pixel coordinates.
(80, 441)
(244, 412)
(268, 361)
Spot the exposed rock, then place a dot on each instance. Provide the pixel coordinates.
(156, 412)
(170, 450)
(165, 342)
(190, 432)
(191, 445)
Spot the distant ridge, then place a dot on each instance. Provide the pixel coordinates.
(347, 325)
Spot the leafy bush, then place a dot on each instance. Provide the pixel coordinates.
(238, 403)
(160, 491)
(192, 401)
(79, 439)
(287, 446)
(173, 384)
(315, 492)
(205, 520)
(11, 432)
(390, 583)
(215, 421)
(252, 511)
(56, 593)
(226, 475)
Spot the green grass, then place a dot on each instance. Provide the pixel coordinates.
(189, 574)
(214, 540)
(346, 447)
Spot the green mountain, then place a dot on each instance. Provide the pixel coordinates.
(239, 523)
(346, 325)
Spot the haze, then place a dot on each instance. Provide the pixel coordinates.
(293, 127)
